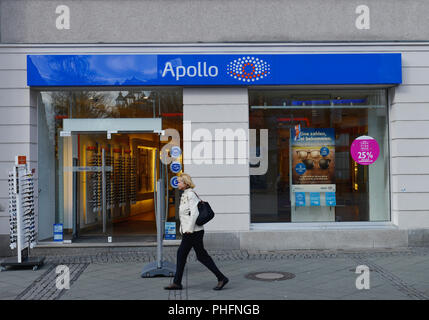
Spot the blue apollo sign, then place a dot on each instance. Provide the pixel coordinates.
(213, 69)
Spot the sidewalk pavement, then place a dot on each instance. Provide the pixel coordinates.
(394, 274)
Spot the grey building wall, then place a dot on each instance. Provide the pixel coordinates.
(18, 129)
(409, 135)
(194, 21)
(224, 185)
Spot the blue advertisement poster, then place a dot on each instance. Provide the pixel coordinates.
(300, 199)
(58, 232)
(313, 155)
(170, 231)
(315, 198)
(330, 199)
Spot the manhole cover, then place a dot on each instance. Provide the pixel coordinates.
(270, 276)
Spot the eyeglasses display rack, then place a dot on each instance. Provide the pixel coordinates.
(94, 182)
(22, 218)
(117, 186)
(109, 189)
(133, 180)
(121, 173)
(12, 212)
(130, 178)
(120, 183)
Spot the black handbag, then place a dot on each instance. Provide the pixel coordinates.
(205, 212)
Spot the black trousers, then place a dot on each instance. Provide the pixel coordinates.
(189, 241)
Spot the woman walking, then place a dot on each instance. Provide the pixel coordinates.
(192, 236)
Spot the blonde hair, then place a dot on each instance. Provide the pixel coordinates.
(186, 179)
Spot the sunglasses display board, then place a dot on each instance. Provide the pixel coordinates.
(22, 217)
(120, 182)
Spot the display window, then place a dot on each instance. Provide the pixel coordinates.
(103, 182)
(328, 156)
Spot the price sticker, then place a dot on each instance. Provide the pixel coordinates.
(365, 150)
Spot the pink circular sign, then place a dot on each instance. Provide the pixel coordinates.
(365, 150)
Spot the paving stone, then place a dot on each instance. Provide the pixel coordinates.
(321, 275)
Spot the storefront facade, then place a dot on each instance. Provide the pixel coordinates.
(272, 152)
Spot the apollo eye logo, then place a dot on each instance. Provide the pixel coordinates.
(248, 69)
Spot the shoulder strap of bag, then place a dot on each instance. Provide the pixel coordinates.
(196, 194)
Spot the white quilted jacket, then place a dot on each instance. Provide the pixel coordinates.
(188, 212)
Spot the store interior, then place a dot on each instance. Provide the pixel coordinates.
(131, 168)
(129, 184)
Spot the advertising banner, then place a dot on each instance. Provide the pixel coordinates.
(300, 199)
(365, 150)
(330, 199)
(170, 231)
(315, 198)
(58, 232)
(313, 156)
(213, 69)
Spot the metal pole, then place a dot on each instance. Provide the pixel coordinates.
(74, 198)
(166, 188)
(159, 267)
(154, 182)
(103, 191)
(160, 200)
(158, 231)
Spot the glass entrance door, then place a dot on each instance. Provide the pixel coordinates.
(109, 184)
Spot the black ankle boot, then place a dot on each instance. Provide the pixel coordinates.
(174, 286)
(221, 284)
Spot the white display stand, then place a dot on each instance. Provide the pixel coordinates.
(22, 217)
